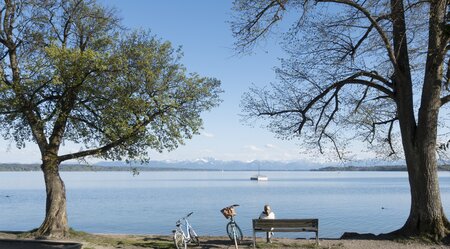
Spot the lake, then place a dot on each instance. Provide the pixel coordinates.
(150, 203)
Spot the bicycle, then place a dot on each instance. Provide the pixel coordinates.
(182, 238)
(233, 230)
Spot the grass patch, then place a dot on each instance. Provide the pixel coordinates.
(118, 241)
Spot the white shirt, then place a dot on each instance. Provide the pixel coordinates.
(271, 215)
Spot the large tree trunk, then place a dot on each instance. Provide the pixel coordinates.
(55, 224)
(426, 217)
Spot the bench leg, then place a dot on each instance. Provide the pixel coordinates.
(317, 238)
(254, 239)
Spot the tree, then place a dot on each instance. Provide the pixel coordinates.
(70, 73)
(356, 70)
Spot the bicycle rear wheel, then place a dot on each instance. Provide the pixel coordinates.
(232, 229)
(178, 240)
(194, 237)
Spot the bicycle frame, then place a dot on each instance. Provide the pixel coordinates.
(184, 233)
(179, 224)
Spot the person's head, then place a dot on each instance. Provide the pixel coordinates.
(267, 209)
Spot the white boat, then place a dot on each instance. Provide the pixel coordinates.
(259, 177)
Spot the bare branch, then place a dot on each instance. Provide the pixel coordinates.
(250, 32)
(445, 100)
(274, 113)
(281, 4)
(361, 99)
(447, 76)
(389, 139)
(349, 81)
(335, 145)
(269, 111)
(323, 108)
(374, 23)
(331, 116)
(353, 50)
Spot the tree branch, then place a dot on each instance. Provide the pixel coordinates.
(26, 107)
(374, 22)
(361, 99)
(112, 144)
(324, 92)
(250, 25)
(89, 123)
(331, 117)
(389, 139)
(349, 81)
(323, 108)
(447, 76)
(68, 100)
(445, 100)
(352, 52)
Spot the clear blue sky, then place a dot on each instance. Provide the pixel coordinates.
(201, 28)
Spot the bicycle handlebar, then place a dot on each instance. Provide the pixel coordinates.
(184, 218)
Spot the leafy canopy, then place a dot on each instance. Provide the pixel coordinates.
(80, 77)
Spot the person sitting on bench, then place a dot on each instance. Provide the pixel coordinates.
(268, 214)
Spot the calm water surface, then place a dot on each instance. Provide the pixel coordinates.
(150, 203)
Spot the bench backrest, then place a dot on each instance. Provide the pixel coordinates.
(294, 224)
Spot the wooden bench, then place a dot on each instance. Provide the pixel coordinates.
(285, 225)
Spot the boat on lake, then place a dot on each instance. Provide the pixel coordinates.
(259, 177)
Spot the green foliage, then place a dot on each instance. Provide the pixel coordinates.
(82, 78)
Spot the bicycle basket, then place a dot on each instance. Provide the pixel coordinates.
(228, 212)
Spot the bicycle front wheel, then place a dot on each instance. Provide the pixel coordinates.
(234, 230)
(178, 240)
(194, 237)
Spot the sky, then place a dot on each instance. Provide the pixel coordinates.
(201, 28)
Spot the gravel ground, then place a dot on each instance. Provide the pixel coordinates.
(224, 242)
(115, 241)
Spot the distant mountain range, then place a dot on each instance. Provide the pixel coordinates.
(212, 164)
(218, 165)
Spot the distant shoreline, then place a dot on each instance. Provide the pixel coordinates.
(89, 168)
(96, 168)
(375, 168)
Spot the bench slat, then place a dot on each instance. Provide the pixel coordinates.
(286, 220)
(284, 230)
(285, 225)
(274, 224)
(292, 229)
(261, 224)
